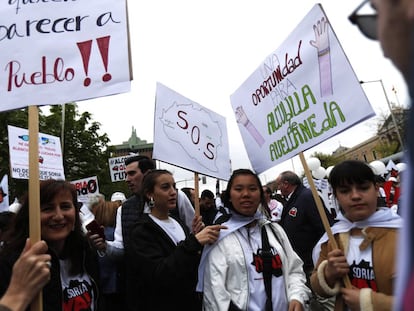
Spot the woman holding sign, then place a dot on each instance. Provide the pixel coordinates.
(366, 235)
(163, 256)
(253, 265)
(73, 266)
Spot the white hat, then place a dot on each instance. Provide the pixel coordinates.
(392, 179)
(118, 196)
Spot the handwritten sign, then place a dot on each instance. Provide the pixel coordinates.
(86, 187)
(50, 155)
(117, 168)
(189, 135)
(302, 94)
(62, 51)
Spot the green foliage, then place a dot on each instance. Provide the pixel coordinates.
(385, 150)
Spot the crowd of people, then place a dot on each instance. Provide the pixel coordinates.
(244, 252)
(253, 252)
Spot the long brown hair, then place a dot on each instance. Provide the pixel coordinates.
(105, 212)
(16, 237)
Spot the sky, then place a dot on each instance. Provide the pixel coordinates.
(205, 50)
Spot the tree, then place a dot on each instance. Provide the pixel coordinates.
(85, 151)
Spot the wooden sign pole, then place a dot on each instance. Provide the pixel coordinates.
(34, 189)
(196, 196)
(321, 211)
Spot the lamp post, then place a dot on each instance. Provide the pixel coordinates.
(389, 107)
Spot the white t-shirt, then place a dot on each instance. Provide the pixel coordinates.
(171, 227)
(77, 290)
(361, 271)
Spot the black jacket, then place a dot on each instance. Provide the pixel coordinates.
(302, 223)
(164, 274)
(131, 212)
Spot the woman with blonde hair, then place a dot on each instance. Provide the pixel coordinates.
(105, 216)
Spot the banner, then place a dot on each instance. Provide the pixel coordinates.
(4, 194)
(62, 51)
(302, 94)
(189, 135)
(85, 187)
(117, 168)
(50, 155)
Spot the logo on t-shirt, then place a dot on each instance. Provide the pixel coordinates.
(77, 296)
(362, 275)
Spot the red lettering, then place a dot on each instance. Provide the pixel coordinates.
(18, 78)
(181, 115)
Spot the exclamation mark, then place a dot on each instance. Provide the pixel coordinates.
(85, 50)
(103, 44)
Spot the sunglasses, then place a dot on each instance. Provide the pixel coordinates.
(367, 23)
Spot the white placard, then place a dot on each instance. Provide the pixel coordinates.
(62, 51)
(189, 135)
(117, 168)
(302, 94)
(50, 155)
(86, 187)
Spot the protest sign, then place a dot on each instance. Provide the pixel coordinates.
(62, 51)
(189, 135)
(117, 168)
(85, 187)
(49, 158)
(302, 94)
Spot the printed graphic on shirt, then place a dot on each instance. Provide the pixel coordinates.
(77, 296)
(362, 275)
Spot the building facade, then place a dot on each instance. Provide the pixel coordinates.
(134, 145)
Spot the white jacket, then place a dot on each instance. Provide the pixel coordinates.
(226, 275)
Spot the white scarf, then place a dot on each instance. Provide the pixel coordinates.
(233, 224)
(384, 218)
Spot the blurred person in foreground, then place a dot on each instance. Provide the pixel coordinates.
(366, 236)
(30, 273)
(392, 24)
(74, 279)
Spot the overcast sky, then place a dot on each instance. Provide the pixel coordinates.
(204, 50)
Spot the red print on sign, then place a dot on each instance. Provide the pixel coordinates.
(85, 50)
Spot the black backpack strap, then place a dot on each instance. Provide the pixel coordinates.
(223, 217)
(267, 255)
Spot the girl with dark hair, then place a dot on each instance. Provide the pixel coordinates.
(252, 266)
(366, 236)
(74, 277)
(163, 256)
